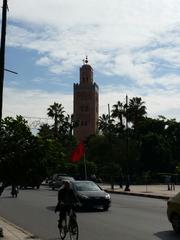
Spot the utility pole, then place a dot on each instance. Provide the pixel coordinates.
(2, 52)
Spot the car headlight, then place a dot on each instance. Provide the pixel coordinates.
(107, 196)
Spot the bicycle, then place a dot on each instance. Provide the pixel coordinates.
(69, 224)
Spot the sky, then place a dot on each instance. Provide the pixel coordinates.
(132, 45)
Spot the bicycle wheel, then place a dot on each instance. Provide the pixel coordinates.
(73, 230)
(62, 229)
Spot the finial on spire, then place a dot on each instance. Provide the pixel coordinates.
(86, 61)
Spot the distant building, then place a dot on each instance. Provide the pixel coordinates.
(86, 103)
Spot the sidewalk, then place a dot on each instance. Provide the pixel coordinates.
(12, 232)
(153, 191)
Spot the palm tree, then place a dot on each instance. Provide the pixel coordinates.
(136, 111)
(105, 124)
(67, 126)
(56, 112)
(118, 112)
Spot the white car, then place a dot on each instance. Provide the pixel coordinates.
(173, 212)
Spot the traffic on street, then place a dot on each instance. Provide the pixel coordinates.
(128, 218)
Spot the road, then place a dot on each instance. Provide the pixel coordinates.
(129, 218)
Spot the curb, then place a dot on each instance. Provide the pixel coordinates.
(27, 234)
(138, 194)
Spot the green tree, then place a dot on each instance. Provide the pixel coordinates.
(150, 125)
(56, 112)
(172, 133)
(18, 150)
(106, 124)
(136, 111)
(156, 153)
(45, 131)
(118, 111)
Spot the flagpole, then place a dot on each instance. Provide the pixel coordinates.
(85, 167)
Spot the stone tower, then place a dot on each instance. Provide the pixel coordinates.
(86, 103)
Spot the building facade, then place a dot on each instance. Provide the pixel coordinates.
(86, 103)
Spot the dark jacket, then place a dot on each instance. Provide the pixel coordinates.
(66, 195)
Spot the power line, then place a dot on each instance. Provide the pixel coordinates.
(36, 122)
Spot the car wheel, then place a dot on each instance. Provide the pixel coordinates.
(175, 219)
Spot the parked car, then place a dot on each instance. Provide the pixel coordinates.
(173, 212)
(91, 195)
(54, 177)
(58, 181)
(30, 183)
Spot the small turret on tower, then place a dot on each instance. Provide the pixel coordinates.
(86, 73)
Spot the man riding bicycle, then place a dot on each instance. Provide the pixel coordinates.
(66, 201)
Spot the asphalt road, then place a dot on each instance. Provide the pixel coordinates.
(129, 218)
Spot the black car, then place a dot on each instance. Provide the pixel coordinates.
(91, 195)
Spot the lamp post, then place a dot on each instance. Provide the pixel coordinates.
(2, 52)
(111, 149)
(127, 150)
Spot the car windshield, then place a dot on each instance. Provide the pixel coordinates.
(86, 186)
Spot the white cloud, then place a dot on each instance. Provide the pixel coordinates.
(44, 61)
(35, 103)
(159, 102)
(72, 29)
(149, 14)
(139, 40)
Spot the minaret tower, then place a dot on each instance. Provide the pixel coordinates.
(86, 103)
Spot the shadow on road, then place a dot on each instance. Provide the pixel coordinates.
(167, 235)
(52, 208)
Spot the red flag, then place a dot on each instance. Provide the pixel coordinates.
(78, 152)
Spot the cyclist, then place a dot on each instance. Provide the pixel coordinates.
(66, 201)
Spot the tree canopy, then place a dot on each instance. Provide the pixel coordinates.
(128, 142)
